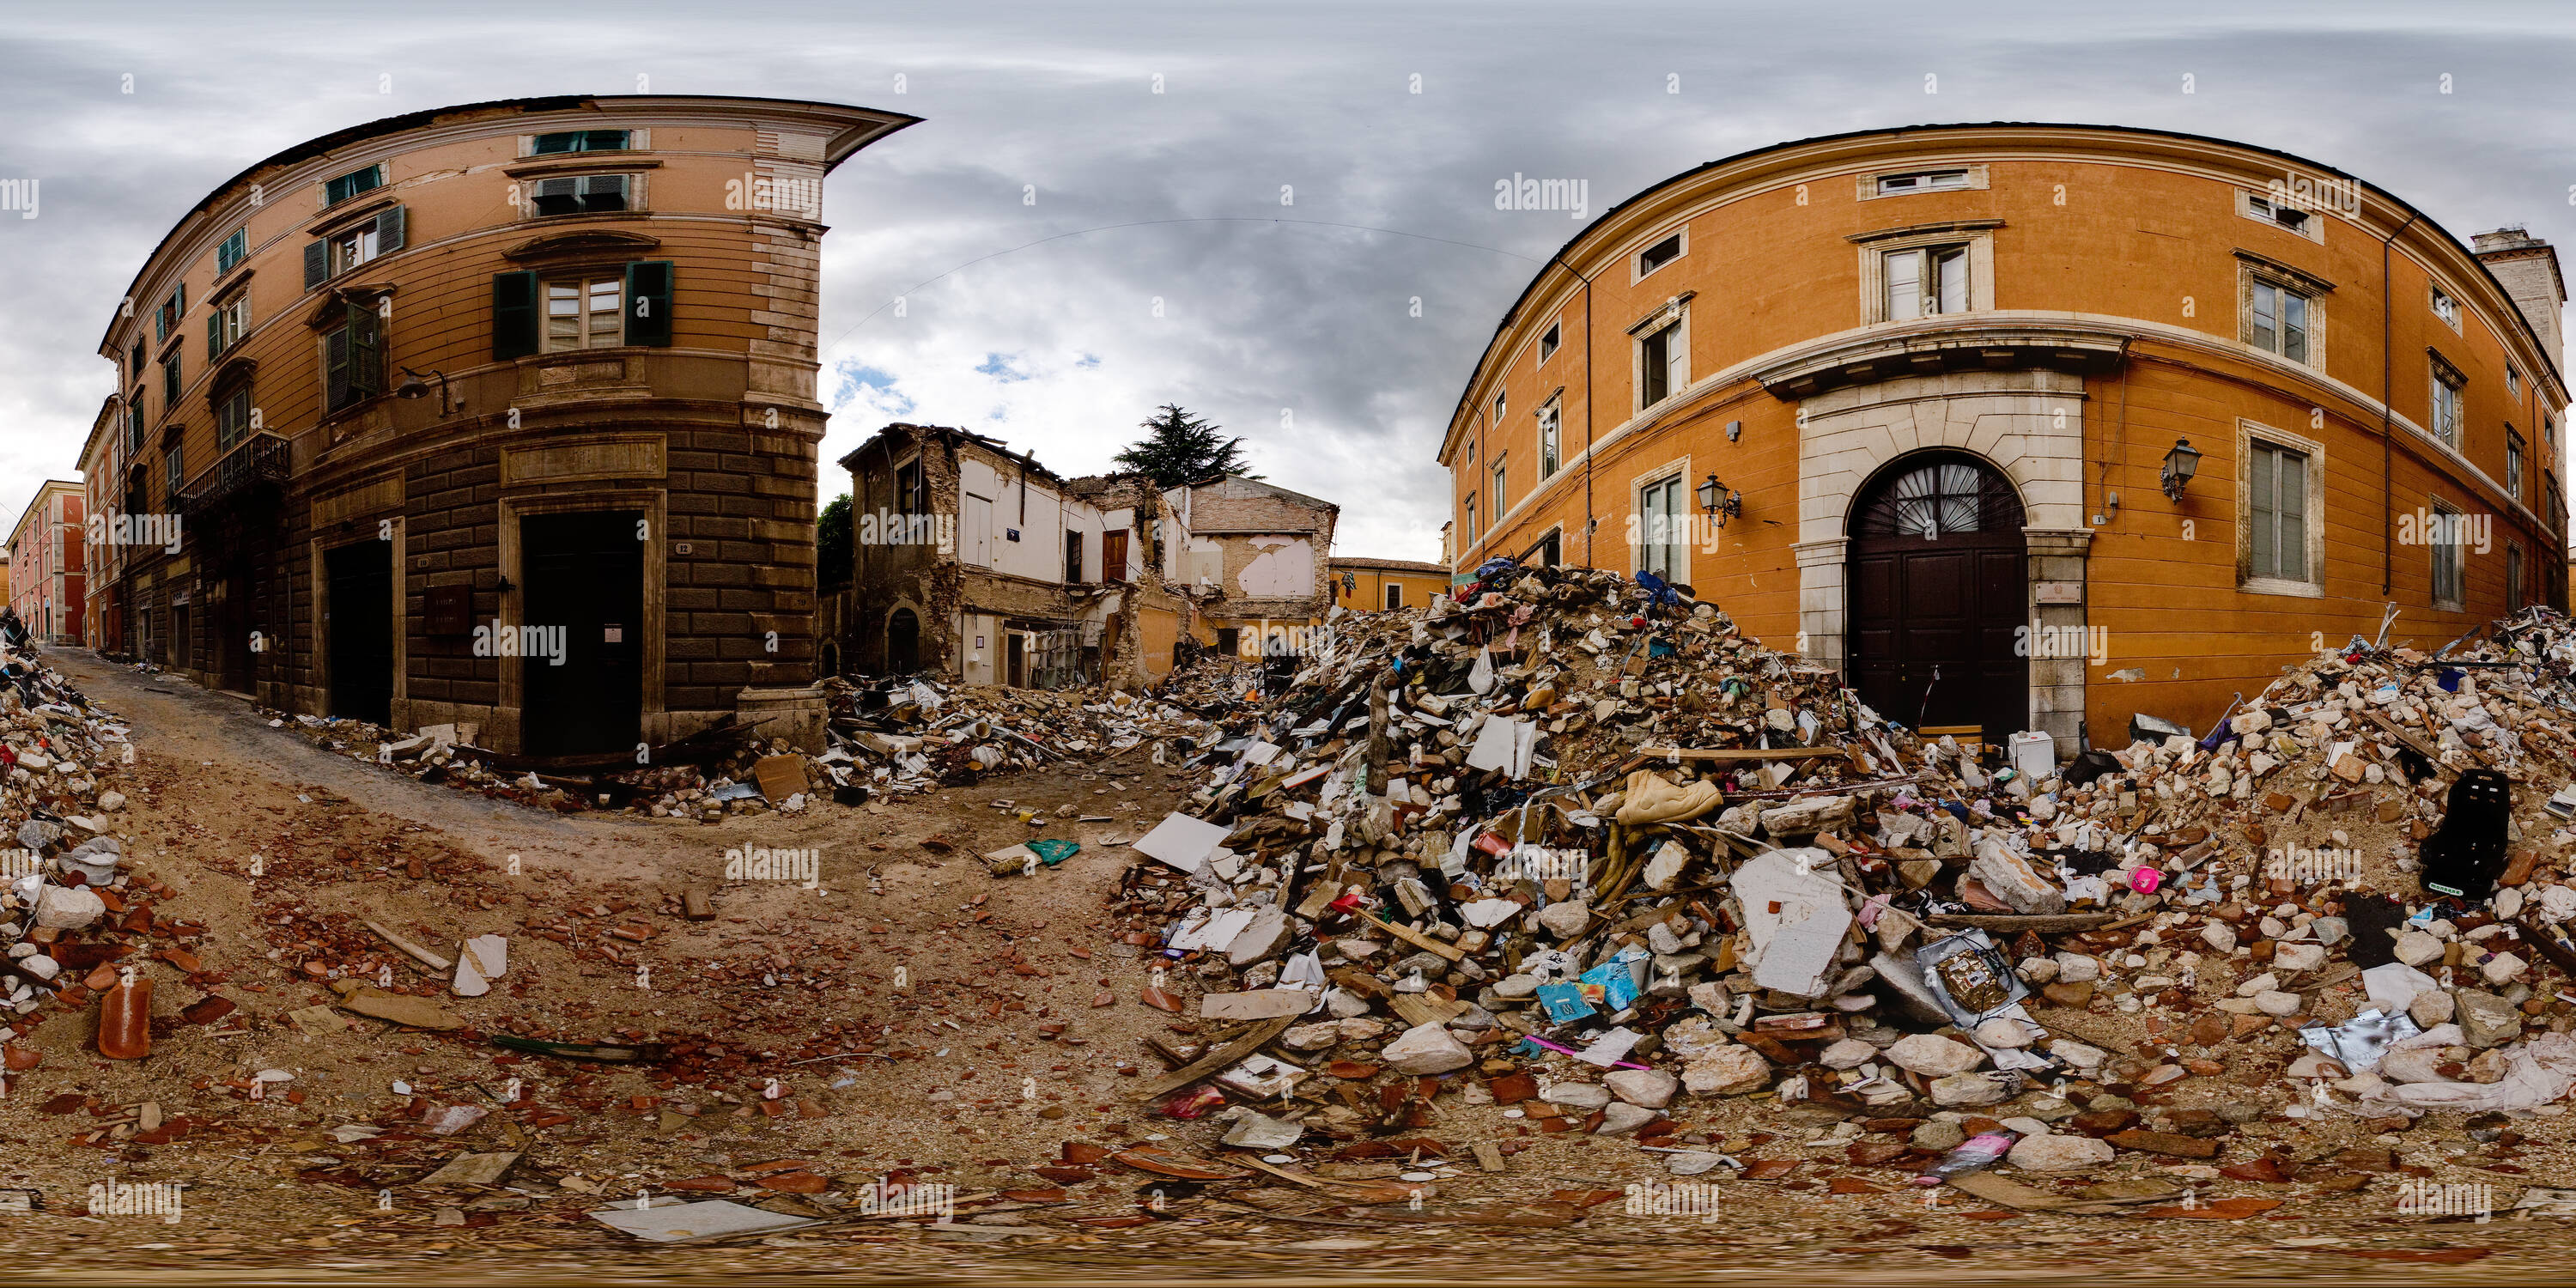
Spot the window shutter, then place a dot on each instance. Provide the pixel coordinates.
(2292, 552)
(389, 231)
(514, 315)
(2266, 513)
(1675, 376)
(179, 300)
(214, 334)
(648, 302)
(317, 264)
(335, 368)
(604, 192)
(366, 353)
(558, 196)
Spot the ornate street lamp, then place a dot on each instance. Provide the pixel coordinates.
(1717, 502)
(2180, 464)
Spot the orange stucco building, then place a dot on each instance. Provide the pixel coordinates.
(1906, 401)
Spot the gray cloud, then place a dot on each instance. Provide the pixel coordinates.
(1258, 318)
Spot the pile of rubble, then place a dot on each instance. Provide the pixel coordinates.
(77, 923)
(915, 733)
(1572, 845)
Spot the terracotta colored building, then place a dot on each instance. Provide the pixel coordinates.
(1362, 585)
(45, 562)
(501, 414)
(2033, 426)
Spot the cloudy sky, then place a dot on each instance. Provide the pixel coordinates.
(1090, 220)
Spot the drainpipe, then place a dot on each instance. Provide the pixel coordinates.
(2387, 421)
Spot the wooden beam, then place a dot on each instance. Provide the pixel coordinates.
(1216, 1061)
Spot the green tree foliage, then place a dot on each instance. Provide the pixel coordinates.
(832, 545)
(1180, 448)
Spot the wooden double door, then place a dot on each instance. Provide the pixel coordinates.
(1939, 596)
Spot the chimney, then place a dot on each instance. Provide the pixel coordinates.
(2529, 270)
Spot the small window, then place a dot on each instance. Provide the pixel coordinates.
(2446, 308)
(587, 194)
(232, 252)
(173, 471)
(585, 313)
(579, 141)
(2280, 322)
(1921, 181)
(1472, 528)
(1394, 595)
(137, 362)
(2280, 513)
(1926, 280)
(226, 324)
(352, 248)
(1659, 254)
(166, 318)
(1549, 436)
(170, 384)
(2445, 404)
(2450, 557)
(2286, 216)
(1547, 343)
(1498, 410)
(353, 358)
(2513, 601)
(2513, 382)
(353, 183)
(2513, 468)
(134, 423)
(1659, 359)
(909, 496)
(232, 420)
(1502, 487)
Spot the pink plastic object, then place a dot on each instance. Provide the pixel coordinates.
(2145, 880)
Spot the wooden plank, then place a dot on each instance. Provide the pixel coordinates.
(1418, 940)
(1216, 1061)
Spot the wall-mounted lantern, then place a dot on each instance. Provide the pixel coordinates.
(1717, 502)
(2180, 464)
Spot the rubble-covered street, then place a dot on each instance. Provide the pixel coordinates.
(1563, 918)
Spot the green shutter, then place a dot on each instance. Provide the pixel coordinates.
(514, 315)
(214, 334)
(366, 353)
(335, 368)
(317, 264)
(389, 231)
(648, 302)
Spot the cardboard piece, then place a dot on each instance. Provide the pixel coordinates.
(1182, 841)
(1795, 918)
(780, 776)
(471, 1169)
(1255, 1004)
(672, 1221)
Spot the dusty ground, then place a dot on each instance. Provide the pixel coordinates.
(908, 1013)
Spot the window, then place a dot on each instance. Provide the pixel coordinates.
(1659, 254)
(1545, 554)
(2279, 487)
(353, 358)
(1073, 558)
(232, 420)
(585, 313)
(1549, 434)
(1471, 528)
(1662, 522)
(587, 194)
(331, 256)
(170, 384)
(909, 497)
(226, 324)
(134, 423)
(579, 141)
(2445, 401)
(136, 362)
(2512, 383)
(232, 252)
(1921, 181)
(1502, 488)
(2513, 601)
(2445, 308)
(1498, 411)
(1925, 280)
(2513, 469)
(2450, 557)
(1547, 343)
(1394, 595)
(2278, 212)
(353, 183)
(1659, 366)
(166, 319)
(172, 472)
(2279, 322)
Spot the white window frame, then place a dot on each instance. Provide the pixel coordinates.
(1637, 270)
(1669, 487)
(1475, 531)
(2513, 382)
(1502, 485)
(1551, 439)
(2443, 407)
(1872, 183)
(2258, 207)
(1390, 595)
(351, 247)
(2253, 273)
(1980, 244)
(634, 191)
(1673, 318)
(2250, 437)
(233, 322)
(584, 286)
(2514, 452)
(2443, 307)
(2453, 555)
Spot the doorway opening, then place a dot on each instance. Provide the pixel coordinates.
(359, 622)
(584, 593)
(903, 642)
(1937, 593)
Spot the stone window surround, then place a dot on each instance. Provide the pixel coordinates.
(1637, 272)
(1868, 180)
(1849, 434)
(1678, 467)
(2312, 228)
(2441, 509)
(2248, 432)
(1975, 234)
(2252, 268)
(1674, 312)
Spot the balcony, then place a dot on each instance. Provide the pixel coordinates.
(252, 469)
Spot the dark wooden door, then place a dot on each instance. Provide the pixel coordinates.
(359, 627)
(585, 576)
(1937, 592)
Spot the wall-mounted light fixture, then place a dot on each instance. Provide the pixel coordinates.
(413, 386)
(2180, 464)
(1718, 502)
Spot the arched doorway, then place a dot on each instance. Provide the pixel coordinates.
(1937, 592)
(903, 642)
